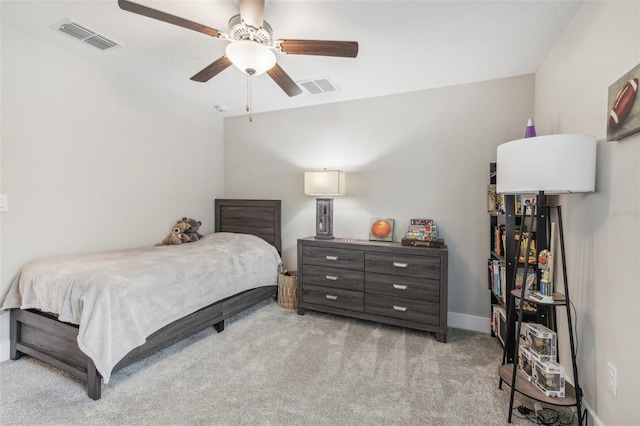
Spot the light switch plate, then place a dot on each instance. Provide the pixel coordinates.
(4, 203)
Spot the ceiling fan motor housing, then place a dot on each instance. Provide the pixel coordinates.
(238, 30)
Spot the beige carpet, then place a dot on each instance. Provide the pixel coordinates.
(273, 367)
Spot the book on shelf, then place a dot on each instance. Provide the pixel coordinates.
(503, 282)
(421, 236)
(423, 222)
(499, 322)
(499, 240)
(421, 228)
(419, 243)
(499, 279)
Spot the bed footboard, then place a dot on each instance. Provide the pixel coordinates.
(43, 337)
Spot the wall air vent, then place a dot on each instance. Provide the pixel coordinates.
(319, 85)
(86, 35)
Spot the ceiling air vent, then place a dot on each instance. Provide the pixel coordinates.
(319, 85)
(83, 33)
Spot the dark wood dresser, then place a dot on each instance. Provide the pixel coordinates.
(377, 281)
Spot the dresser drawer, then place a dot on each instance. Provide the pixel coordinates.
(333, 277)
(333, 257)
(399, 286)
(334, 297)
(403, 264)
(406, 309)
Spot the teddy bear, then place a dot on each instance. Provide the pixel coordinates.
(177, 235)
(192, 232)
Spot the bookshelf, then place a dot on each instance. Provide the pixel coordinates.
(505, 223)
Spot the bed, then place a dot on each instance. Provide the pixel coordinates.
(57, 338)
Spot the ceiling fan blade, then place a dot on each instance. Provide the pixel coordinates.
(283, 80)
(165, 17)
(252, 12)
(346, 49)
(213, 69)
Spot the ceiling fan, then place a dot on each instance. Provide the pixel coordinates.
(251, 46)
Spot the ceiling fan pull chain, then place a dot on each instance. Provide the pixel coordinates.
(248, 91)
(249, 98)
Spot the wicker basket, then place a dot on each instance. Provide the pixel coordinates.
(288, 289)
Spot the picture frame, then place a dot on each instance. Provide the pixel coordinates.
(381, 229)
(623, 107)
(324, 218)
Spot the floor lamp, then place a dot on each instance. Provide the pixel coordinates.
(543, 165)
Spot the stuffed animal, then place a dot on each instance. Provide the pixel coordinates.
(192, 232)
(177, 235)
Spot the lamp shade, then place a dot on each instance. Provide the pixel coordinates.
(554, 164)
(324, 182)
(250, 57)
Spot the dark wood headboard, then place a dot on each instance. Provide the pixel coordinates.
(256, 217)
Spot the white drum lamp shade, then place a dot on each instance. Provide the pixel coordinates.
(553, 164)
(324, 182)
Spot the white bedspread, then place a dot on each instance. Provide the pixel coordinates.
(120, 298)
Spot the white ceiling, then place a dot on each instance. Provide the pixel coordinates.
(404, 45)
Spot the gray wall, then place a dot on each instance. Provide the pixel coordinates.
(421, 154)
(93, 161)
(603, 229)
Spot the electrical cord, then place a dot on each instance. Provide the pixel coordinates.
(545, 417)
(575, 324)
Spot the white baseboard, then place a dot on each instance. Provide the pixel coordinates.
(592, 413)
(469, 322)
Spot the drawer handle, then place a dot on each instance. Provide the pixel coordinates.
(399, 287)
(399, 308)
(332, 257)
(332, 278)
(331, 297)
(400, 265)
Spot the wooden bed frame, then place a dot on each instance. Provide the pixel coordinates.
(42, 336)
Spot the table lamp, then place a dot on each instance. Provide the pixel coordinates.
(324, 183)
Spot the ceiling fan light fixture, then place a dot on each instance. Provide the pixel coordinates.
(250, 57)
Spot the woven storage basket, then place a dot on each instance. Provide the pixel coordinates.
(288, 290)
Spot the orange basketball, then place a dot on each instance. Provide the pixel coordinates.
(380, 228)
